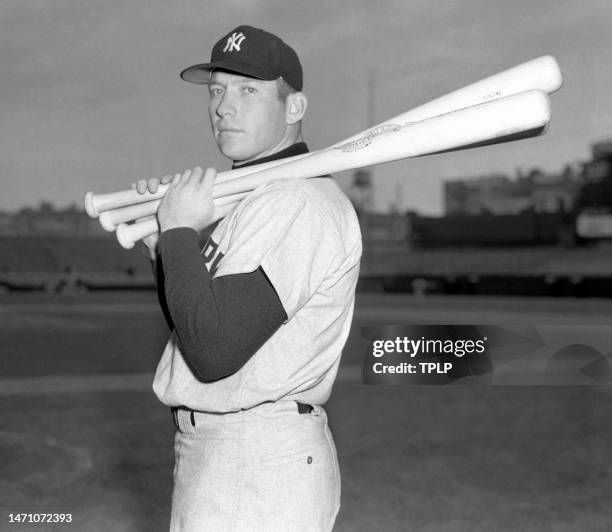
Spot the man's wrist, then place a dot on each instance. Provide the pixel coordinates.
(175, 227)
(167, 226)
(178, 232)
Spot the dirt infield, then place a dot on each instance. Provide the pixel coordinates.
(82, 433)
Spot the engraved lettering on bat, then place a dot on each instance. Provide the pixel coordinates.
(366, 140)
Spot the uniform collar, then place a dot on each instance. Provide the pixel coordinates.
(298, 148)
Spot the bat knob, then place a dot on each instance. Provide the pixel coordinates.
(106, 223)
(90, 206)
(122, 237)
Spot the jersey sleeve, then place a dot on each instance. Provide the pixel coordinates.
(283, 232)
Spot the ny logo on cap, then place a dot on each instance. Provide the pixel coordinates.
(233, 42)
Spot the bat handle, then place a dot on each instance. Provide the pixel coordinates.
(129, 234)
(98, 203)
(109, 220)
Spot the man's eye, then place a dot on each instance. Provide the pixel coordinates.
(215, 91)
(249, 90)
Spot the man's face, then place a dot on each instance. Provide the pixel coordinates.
(247, 117)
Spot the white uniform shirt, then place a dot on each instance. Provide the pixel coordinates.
(305, 235)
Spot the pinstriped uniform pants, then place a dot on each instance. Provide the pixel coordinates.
(266, 469)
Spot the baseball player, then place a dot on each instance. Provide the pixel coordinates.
(259, 313)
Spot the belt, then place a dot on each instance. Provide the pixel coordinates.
(303, 408)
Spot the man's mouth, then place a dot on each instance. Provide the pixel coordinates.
(228, 131)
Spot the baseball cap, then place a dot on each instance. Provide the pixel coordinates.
(251, 52)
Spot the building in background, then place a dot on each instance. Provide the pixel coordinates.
(361, 192)
(499, 195)
(586, 185)
(594, 220)
(596, 194)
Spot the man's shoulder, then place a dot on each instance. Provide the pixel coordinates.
(319, 195)
(316, 189)
(320, 201)
(279, 187)
(316, 200)
(282, 195)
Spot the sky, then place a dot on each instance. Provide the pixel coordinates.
(90, 97)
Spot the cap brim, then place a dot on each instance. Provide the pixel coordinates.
(200, 74)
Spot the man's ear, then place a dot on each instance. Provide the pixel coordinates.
(297, 103)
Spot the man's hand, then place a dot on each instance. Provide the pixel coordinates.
(189, 201)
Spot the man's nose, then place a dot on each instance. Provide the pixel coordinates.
(227, 105)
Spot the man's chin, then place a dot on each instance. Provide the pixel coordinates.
(235, 153)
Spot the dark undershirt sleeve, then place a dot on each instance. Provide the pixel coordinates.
(158, 275)
(220, 322)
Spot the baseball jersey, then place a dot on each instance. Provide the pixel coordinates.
(305, 236)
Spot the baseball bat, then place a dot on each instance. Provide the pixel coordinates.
(514, 117)
(109, 220)
(542, 74)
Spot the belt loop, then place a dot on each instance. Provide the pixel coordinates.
(304, 408)
(192, 416)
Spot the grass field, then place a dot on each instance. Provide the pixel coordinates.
(82, 433)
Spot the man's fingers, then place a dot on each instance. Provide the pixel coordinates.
(209, 178)
(191, 179)
(179, 180)
(152, 185)
(196, 175)
(141, 186)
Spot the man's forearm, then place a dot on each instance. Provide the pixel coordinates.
(220, 322)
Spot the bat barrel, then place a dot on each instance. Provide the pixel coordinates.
(497, 121)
